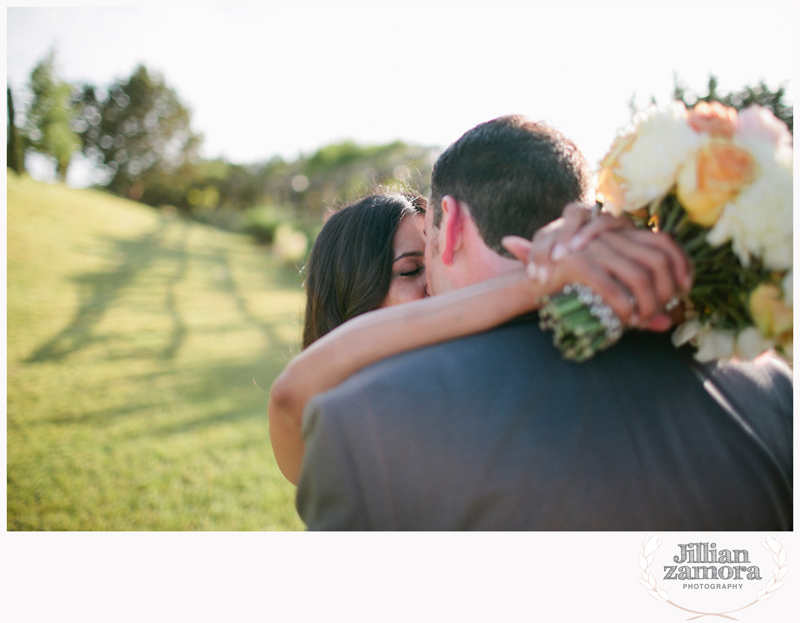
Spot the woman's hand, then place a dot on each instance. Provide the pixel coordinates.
(637, 272)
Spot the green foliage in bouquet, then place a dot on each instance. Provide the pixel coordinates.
(760, 94)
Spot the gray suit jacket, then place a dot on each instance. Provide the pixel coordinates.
(496, 431)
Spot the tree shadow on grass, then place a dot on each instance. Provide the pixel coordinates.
(249, 379)
(178, 326)
(232, 288)
(244, 386)
(98, 291)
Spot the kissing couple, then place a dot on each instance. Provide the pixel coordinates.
(427, 397)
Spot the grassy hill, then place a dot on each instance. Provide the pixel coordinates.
(135, 343)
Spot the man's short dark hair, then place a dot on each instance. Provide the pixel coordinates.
(515, 174)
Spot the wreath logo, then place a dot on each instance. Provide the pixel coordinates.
(648, 580)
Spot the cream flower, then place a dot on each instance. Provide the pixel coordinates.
(750, 343)
(715, 344)
(686, 332)
(759, 219)
(645, 158)
(710, 343)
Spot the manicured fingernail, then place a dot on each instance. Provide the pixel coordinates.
(633, 320)
(542, 274)
(558, 252)
(531, 268)
(575, 243)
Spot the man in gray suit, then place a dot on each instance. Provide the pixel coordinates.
(497, 431)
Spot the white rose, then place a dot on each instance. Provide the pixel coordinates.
(759, 219)
(664, 141)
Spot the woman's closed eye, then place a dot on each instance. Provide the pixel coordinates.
(409, 278)
(413, 273)
(409, 264)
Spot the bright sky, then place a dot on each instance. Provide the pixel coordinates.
(266, 81)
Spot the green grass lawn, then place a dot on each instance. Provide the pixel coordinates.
(135, 343)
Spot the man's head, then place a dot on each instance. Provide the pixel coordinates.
(509, 176)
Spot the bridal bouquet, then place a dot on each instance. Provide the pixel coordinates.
(720, 182)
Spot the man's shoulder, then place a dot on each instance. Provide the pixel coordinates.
(766, 381)
(762, 390)
(516, 352)
(398, 435)
(767, 370)
(487, 352)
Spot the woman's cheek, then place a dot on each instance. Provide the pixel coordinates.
(422, 286)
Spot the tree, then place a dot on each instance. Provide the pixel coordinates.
(138, 131)
(341, 172)
(759, 94)
(50, 115)
(14, 148)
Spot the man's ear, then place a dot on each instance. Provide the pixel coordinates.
(452, 227)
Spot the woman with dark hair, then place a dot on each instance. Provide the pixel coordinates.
(352, 268)
(369, 255)
(367, 300)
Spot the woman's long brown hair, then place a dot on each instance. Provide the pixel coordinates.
(349, 268)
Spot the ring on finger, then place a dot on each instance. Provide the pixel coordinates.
(672, 303)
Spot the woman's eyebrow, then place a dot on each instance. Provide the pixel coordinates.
(408, 254)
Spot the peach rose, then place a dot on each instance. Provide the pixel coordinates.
(772, 315)
(756, 126)
(716, 174)
(714, 119)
